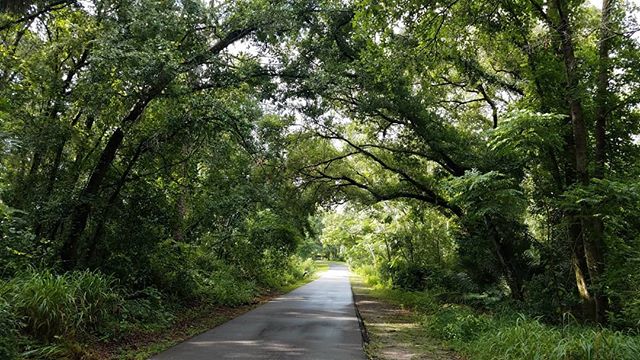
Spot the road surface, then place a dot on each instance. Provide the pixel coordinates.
(315, 321)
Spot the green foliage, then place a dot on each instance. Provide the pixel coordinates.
(9, 326)
(16, 241)
(406, 275)
(506, 335)
(180, 147)
(523, 338)
(223, 287)
(371, 274)
(527, 136)
(67, 305)
(457, 323)
(549, 292)
(488, 194)
(144, 309)
(172, 269)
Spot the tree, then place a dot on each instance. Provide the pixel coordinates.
(419, 93)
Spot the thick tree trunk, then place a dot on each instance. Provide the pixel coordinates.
(506, 261)
(80, 213)
(594, 247)
(602, 92)
(99, 232)
(591, 236)
(573, 97)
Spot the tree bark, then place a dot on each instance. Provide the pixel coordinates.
(505, 259)
(592, 241)
(575, 106)
(602, 91)
(594, 247)
(80, 213)
(99, 232)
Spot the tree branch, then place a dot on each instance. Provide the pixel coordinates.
(55, 5)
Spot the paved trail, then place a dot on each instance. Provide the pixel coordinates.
(315, 321)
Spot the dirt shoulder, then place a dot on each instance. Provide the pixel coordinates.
(394, 332)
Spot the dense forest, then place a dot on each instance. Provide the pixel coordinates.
(157, 155)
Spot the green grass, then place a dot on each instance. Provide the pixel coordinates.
(322, 265)
(87, 315)
(521, 337)
(318, 268)
(66, 305)
(505, 334)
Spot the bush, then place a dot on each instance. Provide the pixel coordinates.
(51, 305)
(371, 276)
(457, 323)
(8, 331)
(145, 309)
(305, 267)
(295, 270)
(222, 287)
(16, 241)
(406, 276)
(173, 269)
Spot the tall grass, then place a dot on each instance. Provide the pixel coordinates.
(504, 334)
(526, 338)
(8, 331)
(44, 315)
(51, 305)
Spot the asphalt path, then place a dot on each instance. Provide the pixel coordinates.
(315, 321)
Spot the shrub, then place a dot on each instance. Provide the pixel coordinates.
(222, 287)
(278, 270)
(405, 275)
(16, 241)
(457, 323)
(305, 267)
(143, 309)
(173, 269)
(371, 276)
(52, 305)
(8, 331)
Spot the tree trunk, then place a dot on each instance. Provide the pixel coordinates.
(594, 247)
(99, 232)
(592, 241)
(505, 259)
(602, 92)
(80, 213)
(580, 270)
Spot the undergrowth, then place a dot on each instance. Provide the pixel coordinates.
(501, 333)
(44, 315)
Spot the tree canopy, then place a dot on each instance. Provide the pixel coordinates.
(492, 143)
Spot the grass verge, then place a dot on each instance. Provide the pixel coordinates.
(498, 333)
(395, 330)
